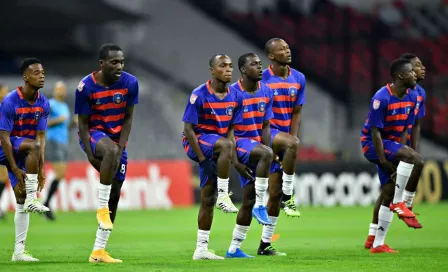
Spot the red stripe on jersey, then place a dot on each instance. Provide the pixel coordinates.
(395, 128)
(280, 98)
(241, 150)
(283, 85)
(283, 123)
(219, 118)
(419, 98)
(251, 114)
(365, 131)
(397, 117)
(255, 100)
(29, 110)
(400, 105)
(22, 133)
(114, 130)
(282, 110)
(108, 93)
(365, 149)
(249, 127)
(109, 106)
(363, 138)
(110, 118)
(25, 122)
(215, 128)
(219, 105)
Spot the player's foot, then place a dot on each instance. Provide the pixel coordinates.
(203, 254)
(2, 215)
(401, 209)
(290, 208)
(261, 214)
(103, 217)
(369, 242)
(383, 249)
(267, 249)
(23, 257)
(225, 204)
(49, 215)
(101, 256)
(412, 222)
(238, 254)
(34, 205)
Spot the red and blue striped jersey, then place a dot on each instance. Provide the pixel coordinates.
(420, 106)
(211, 115)
(21, 118)
(288, 93)
(390, 114)
(106, 106)
(257, 108)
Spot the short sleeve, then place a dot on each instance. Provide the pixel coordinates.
(238, 114)
(301, 98)
(133, 94)
(193, 109)
(269, 114)
(43, 120)
(7, 116)
(377, 113)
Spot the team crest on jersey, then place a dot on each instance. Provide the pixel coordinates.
(408, 110)
(417, 106)
(118, 98)
(376, 104)
(193, 98)
(229, 110)
(275, 92)
(261, 106)
(246, 109)
(81, 86)
(292, 91)
(37, 115)
(98, 102)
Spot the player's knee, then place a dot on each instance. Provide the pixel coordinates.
(208, 202)
(293, 143)
(418, 160)
(267, 155)
(227, 145)
(275, 193)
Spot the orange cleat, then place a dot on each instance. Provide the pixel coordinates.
(383, 249)
(369, 242)
(411, 222)
(401, 209)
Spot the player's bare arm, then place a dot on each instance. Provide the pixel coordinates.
(295, 121)
(83, 124)
(243, 169)
(191, 136)
(126, 130)
(415, 138)
(7, 148)
(41, 143)
(266, 133)
(379, 149)
(56, 121)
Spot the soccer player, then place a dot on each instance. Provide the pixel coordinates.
(57, 139)
(208, 138)
(411, 186)
(383, 141)
(23, 121)
(249, 135)
(3, 170)
(288, 88)
(105, 104)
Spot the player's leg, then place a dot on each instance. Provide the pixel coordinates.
(373, 227)
(243, 220)
(274, 201)
(29, 152)
(205, 219)
(57, 154)
(3, 181)
(99, 253)
(223, 148)
(287, 146)
(261, 156)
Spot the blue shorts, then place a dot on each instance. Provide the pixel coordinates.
(95, 136)
(207, 144)
(20, 161)
(275, 166)
(244, 147)
(390, 149)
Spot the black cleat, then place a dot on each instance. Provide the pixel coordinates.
(266, 249)
(49, 215)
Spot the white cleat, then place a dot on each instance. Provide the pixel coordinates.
(34, 205)
(225, 204)
(23, 257)
(201, 254)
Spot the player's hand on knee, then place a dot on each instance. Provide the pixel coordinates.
(21, 177)
(209, 167)
(389, 167)
(244, 171)
(95, 162)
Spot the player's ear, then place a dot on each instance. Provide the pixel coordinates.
(211, 71)
(243, 70)
(25, 77)
(400, 76)
(101, 63)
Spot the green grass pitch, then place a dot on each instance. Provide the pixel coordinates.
(323, 239)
